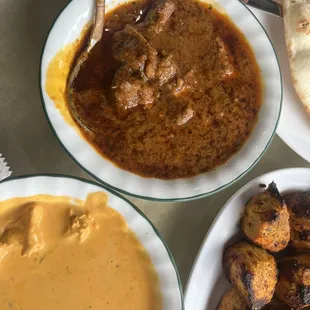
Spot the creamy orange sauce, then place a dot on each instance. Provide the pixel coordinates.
(61, 254)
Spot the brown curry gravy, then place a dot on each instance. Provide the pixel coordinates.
(56, 253)
(162, 139)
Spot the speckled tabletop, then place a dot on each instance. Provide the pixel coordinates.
(30, 147)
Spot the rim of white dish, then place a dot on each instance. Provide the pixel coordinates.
(149, 197)
(293, 113)
(286, 172)
(59, 181)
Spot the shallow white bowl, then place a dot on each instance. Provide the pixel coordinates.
(67, 28)
(170, 285)
(207, 282)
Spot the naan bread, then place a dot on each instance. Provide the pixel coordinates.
(297, 31)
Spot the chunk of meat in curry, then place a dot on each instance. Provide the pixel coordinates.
(143, 67)
(226, 65)
(159, 15)
(131, 90)
(133, 49)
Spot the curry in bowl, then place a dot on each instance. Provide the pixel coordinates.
(171, 91)
(62, 253)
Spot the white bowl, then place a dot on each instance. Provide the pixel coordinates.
(170, 284)
(207, 282)
(67, 28)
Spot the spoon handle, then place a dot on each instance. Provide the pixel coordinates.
(98, 26)
(268, 6)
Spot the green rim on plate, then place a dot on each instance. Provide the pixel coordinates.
(119, 196)
(146, 197)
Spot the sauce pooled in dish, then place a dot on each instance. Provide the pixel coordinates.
(172, 90)
(56, 254)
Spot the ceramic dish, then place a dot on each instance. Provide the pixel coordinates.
(150, 238)
(293, 113)
(67, 29)
(207, 283)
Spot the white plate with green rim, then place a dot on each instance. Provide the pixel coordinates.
(169, 280)
(207, 283)
(67, 28)
(294, 126)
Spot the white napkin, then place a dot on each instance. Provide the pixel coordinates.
(4, 169)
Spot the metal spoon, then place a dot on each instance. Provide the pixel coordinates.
(268, 6)
(95, 37)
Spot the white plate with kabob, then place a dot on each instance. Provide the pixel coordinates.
(257, 253)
